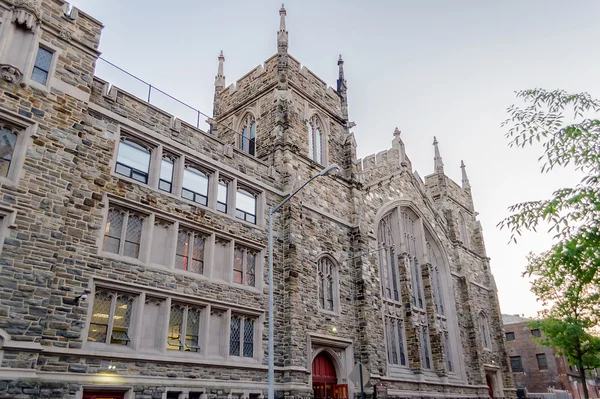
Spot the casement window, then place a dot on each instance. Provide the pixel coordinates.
(326, 282)
(222, 193)
(241, 336)
(448, 352)
(484, 331)
(195, 185)
(123, 232)
(510, 336)
(244, 266)
(542, 362)
(165, 183)
(245, 205)
(425, 348)
(394, 330)
(190, 251)
(41, 67)
(111, 318)
(315, 140)
(409, 230)
(133, 160)
(387, 258)
(248, 136)
(536, 332)
(8, 142)
(515, 364)
(184, 328)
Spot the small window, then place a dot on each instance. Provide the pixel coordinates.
(190, 251)
(425, 348)
(542, 363)
(536, 332)
(41, 68)
(326, 275)
(315, 140)
(244, 266)
(248, 137)
(484, 330)
(245, 204)
(510, 336)
(184, 328)
(123, 233)
(195, 186)
(515, 364)
(166, 175)
(133, 161)
(241, 336)
(8, 142)
(111, 318)
(222, 196)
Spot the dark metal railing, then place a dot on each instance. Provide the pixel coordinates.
(150, 92)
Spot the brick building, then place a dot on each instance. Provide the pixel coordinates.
(537, 368)
(133, 243)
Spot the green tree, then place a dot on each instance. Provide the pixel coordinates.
(565, 278)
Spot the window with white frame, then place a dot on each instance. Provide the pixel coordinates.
(123, 232)
(195, 185)
(184, 328)
(315, 139)
(111, 317)
(133, 160)
(244, 266)
(241, 336)
(190, 251)
(245, 205)
(222, 193)
(165, 182)
(41, 67)
(394, 330)
(326, 281)
(484, 331)
(248, 136)
(8, 142)
(387, 258)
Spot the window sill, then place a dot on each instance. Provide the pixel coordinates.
(329, 312)
(8, 180)
(94, 349)
(186, 201)
(38, 86)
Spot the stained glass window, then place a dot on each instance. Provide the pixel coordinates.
(8, 141)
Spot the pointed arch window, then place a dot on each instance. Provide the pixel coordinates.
(387, 257)
(327, 283)
(462, 230)
(394, 330)
(315, 140)
(435, 278)
(248, 136)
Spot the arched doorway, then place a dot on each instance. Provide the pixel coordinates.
(490, 385)
(324, 379)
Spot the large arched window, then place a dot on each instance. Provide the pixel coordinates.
(327, 284)
(315, 139)
(248, 136)
(407, 249)
(484, 330)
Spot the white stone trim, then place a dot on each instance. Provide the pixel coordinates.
(56, 52)
(26, 130)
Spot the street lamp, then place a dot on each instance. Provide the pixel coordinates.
(330, 170)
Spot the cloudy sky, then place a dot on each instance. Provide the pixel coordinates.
(438, 68)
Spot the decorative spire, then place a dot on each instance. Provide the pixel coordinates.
(397, 132)
(282, 35)
(466, 185)
(438, 164)
(342, 88)
(220, 78)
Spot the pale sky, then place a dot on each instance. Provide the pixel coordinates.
(438, 68)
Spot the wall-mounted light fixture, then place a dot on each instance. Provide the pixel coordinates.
(75, 301)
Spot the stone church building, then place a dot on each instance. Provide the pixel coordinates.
(133, 245)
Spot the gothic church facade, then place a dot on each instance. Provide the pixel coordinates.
(133, 254)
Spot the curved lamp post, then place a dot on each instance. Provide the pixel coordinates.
(330, 170)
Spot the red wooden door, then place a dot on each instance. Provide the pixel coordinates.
(324, 377)
(103, 395)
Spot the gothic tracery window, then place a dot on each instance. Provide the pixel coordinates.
(326, 274)
(409, 232)
(315, 140)
(248, 136)
(484, 331)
